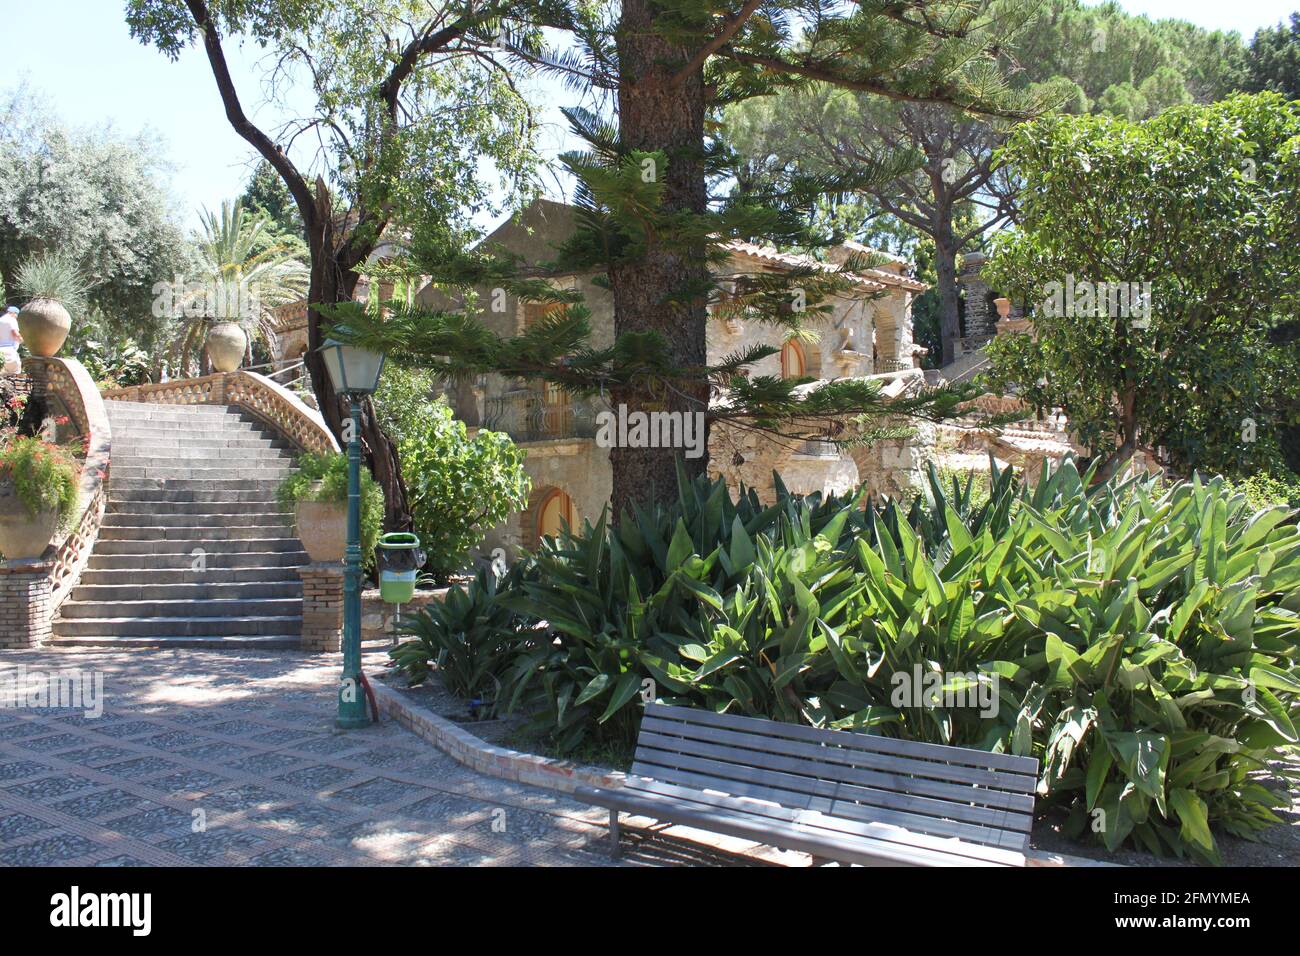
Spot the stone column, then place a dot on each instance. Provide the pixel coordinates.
(322, 606)
(25, 605)
(897, 467)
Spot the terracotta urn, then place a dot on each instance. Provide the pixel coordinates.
(323, 529)
(227, 344)
(22, 536)
(44, 324)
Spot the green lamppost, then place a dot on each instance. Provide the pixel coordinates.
(355, 374)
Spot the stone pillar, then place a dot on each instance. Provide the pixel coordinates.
(981, 317)
(25, 605)
(322, 606)
(897, 467)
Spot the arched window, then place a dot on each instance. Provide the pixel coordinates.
(793, 364)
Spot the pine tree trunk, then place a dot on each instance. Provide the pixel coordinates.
(655, 114)
(945, 267)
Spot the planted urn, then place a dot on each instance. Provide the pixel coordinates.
(38, 496)
(56, 288)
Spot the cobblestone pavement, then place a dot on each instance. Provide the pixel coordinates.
(217, 758)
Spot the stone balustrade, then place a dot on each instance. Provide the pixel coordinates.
(263, 398)
(31, 591)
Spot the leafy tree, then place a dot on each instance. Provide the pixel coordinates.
(1127, 64)
(460, 487)
(1274, 59)
(1198, 202)
(653, 220)
(267, 194)
(406, 101)
(96, 197)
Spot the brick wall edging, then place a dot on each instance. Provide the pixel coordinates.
(477, 754)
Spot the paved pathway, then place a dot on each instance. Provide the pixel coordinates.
(243, 743)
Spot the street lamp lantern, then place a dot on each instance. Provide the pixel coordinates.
(354, 372)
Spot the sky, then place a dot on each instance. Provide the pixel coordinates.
(79, 56)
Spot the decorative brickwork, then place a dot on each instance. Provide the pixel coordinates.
(25, 607)
(322, 607)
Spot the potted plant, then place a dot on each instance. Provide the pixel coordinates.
(317, 494)
(56, 289)
(38, 496)
(247, 273)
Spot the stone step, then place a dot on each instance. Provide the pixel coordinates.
(197, 518)
(258, 625)
(192, 532)
(261, 642)
(204, 608)
(265, 487)
(139, 412)
(161, 471)
(285, 544)
(199, 445)
(157, 564)
(217, 431)
(196, 591)
(181, 501)
(247, 574)
(201, 451)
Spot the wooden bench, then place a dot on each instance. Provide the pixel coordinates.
(838, 795)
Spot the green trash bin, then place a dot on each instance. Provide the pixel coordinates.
(400, 560)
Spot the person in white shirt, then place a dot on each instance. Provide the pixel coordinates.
(10, 338)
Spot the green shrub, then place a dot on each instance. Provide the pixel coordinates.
(44, 477)
(458, 487)
(325, 478)
(1141, 642)
(468, 640)
(1265, 489)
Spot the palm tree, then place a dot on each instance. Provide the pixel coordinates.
(245, 272)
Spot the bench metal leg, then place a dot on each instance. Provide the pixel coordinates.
(613, 833)
(820, 860)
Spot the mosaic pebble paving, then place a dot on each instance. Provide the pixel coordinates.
(211, 759)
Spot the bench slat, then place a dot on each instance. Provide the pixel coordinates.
(849, 739)
(702, 774)
(861, 786)
(831, 753)
(775, 831)
(876, 829)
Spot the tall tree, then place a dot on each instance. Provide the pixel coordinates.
(406, 101)
(948, 187)
(653, 220)
(267, 194)
(1274, 59)
(95, 196)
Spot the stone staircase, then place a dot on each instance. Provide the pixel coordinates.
(187, 477)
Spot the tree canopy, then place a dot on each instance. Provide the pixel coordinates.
(1158, 256)
(96, 196)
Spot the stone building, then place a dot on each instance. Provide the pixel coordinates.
(868, 332)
